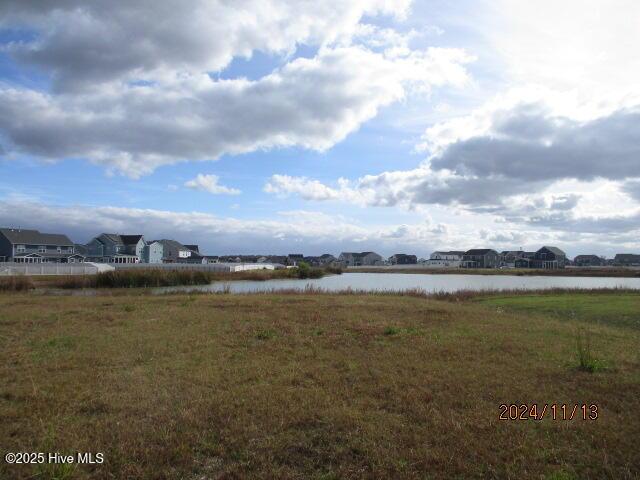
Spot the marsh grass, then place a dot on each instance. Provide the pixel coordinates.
(156, 277)
(16, 283)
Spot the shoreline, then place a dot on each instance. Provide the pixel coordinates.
(520, 272)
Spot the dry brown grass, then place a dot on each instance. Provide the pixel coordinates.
(308, 386)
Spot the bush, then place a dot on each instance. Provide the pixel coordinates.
(304, 270)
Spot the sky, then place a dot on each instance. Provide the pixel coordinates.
(275, 127)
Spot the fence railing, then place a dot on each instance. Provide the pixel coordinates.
(10, 268)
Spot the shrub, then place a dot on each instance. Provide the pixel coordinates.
(304, 270)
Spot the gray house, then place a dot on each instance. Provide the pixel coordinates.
(480, 258)
(403, 259)
(627, 259)
(170, 251)
(550, 258)
(321, 261)
(116, 248)
(31, 246)
(354, 259)
(589, 261)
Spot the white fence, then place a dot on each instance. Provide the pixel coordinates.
(10, 268)
(207, 267)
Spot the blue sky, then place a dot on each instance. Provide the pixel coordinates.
(285, 126)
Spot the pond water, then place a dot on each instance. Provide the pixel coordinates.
(407, 281)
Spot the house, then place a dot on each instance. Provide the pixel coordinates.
(31, 246)
(403, 259)
(193, 248)
(170, 251)
(116, 248)
(550, 258)
(480, 258)
(210, 259)
(321, 261)
(627, 260)
(353, 259)
(294, 258)
(589, 261)
(441, 258)
(508, 258)
(276, 259)
(525, 260)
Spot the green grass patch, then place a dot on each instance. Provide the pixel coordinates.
(619, 309)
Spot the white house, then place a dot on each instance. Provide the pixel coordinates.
(445, 259)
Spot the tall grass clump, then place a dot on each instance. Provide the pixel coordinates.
(151, 278)
(16, 283)
(586, 361)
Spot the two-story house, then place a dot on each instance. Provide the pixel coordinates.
(31, 246)
(403, 259)
(480, 258)
(116, 248)
(442, 259)
(354, 259)
(589, 261)
(549, 258)
(171, 251)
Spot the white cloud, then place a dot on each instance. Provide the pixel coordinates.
(313, 103)
(84, 44)
(209, 183)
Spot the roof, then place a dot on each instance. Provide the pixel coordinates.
(629, 256)
(34, 237)
(171, 243)
(585, 257)
(122, 239)
(49, 255)
(130, 239)
(479, 251)
(194, 248)
(554, 250)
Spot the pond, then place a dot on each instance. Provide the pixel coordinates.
(407, 281)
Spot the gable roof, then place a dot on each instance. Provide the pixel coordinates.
(171, 243)
(193, 248)
(130, 239)
(479, 251)
(554, 250)
(20, 236)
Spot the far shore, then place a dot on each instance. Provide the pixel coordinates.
(564, 272)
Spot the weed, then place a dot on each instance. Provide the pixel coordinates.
(265, 335)
(586, 360)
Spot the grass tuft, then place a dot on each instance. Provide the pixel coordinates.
(586, 361)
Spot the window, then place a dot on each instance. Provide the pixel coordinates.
(59, 249)
(20, 248)
(42, 249)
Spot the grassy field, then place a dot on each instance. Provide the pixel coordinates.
(527, 272)
(318, 386)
